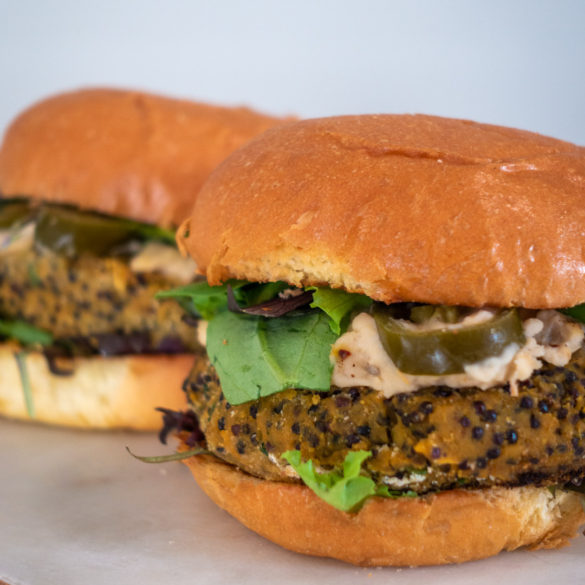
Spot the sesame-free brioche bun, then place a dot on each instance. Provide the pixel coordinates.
(119, 392)
(130, 154)
(448, 527)
(126, 153)
(401, 208)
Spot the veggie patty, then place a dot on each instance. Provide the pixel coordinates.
(435, 438)
(88, 296)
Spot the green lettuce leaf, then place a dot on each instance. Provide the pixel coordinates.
(24, 333)
(346, 492)
(20, 357)
(577, 312)
(206, 300)
(337, 304)
(255, 356)
(258, 356)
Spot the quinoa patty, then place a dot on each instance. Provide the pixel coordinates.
(435, 438)
(90, 296)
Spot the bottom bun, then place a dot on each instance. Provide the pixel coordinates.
(448, 527)
(102, 393)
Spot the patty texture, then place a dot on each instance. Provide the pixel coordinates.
(91, 296)
(435, 438)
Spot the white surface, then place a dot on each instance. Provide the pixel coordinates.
(75, 508)
(516, 63)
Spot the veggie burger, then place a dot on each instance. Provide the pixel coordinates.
(92, 184)
(395, 371)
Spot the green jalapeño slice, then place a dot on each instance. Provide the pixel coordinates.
(13, 211)
(72, 232)
(446, 347)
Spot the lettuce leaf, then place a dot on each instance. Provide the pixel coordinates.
(20, 357)
(577, 312)
(346, 492)
(201, 298)
(255, 356)
(338, 304)
(24, 333)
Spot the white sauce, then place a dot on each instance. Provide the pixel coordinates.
(202, 332)
(13, 241)
(167, 260)
(359, 357)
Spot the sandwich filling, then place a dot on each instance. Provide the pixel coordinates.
(82, 283)
(414, 398)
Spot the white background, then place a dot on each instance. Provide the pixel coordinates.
(512, 62)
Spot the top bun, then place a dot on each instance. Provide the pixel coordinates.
(400, 208)
(121, 152)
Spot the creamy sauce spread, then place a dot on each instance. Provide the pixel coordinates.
(167, 260)
(359, 357)
(151, 257)
(14, 241)
(202, 332)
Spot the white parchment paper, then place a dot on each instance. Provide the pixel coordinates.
(75, 508)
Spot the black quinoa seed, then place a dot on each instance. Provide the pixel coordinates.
(511, 436)
(426, 407)
(342, 401)
(491, 416)
(477, 433)
(364, 430)
(526, 402)
(493, 453)
(435, 452)
(481, 462)
(296, 428)
(354, 393)
(498, 438)
(464, 421)
(352, 440)
(479, 407)
(221, 424)
(534, 422)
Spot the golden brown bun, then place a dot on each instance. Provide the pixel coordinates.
(401, 208)
(449, 527)
(104, 393)
(122, 152)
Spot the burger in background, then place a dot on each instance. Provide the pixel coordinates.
(395, 371)
(92, 186)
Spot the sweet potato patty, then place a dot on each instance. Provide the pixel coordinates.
(435, 438)
(90, 296)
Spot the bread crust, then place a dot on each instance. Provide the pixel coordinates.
(401, 208)
(448, 527)
(121, 152)
(119, 392)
